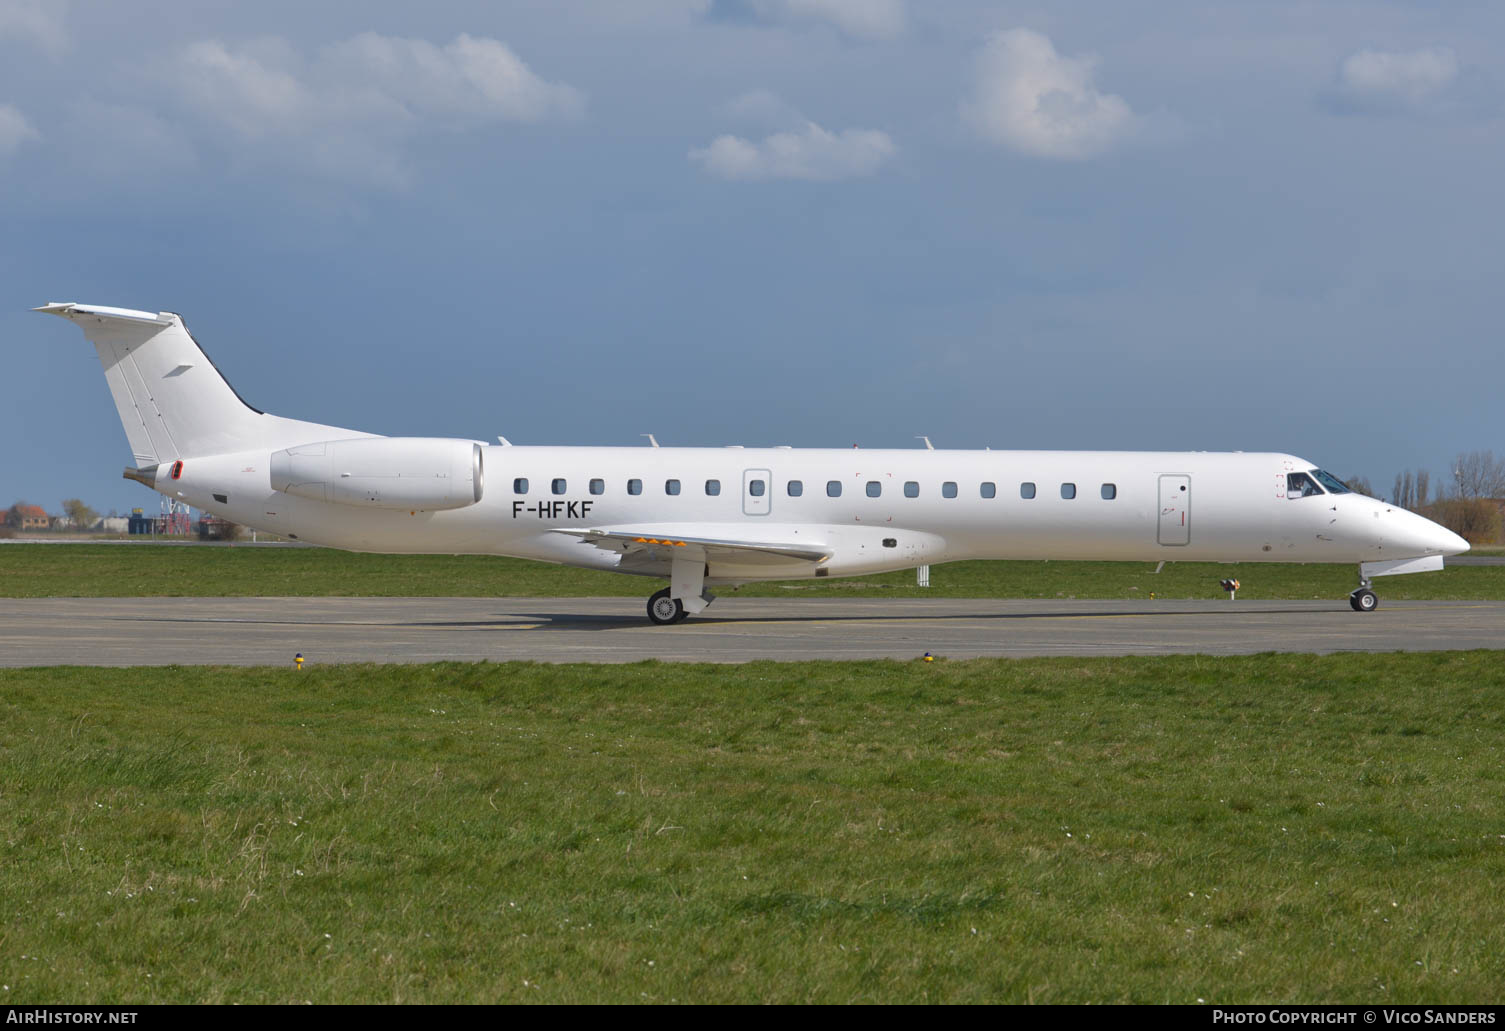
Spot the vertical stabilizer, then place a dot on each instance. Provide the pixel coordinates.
(172, 401)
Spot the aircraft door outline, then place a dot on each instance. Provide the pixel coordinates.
(1174, 525)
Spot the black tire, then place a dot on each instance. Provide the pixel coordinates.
(1364, 600)
(663, 610)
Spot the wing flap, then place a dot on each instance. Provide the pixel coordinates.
(654, 544)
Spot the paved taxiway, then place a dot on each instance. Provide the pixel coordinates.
(268, 631)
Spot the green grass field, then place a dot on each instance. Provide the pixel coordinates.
(158, 570)
(1270, 828)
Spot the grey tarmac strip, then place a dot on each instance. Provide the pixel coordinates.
(269, 631)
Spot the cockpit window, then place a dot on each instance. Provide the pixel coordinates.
(1331, 482)
(1300, 485)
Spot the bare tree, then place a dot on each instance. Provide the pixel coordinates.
(1477, 474)
(1359, 485)
(13, 514)
(1411, 489)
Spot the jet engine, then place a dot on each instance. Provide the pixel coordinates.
(412, 473)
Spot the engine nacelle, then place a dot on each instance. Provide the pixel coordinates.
(428, 473)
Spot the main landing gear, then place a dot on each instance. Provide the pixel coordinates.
(1364, 599)
(685, 595)
(663, 610)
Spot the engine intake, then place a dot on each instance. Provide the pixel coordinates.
(428, 473)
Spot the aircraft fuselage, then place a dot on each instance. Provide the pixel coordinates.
(1106, 505)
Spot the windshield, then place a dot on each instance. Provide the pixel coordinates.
(1331, 482)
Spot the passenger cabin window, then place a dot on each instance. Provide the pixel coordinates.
(520, 485)
(671, 486)
(795, 488)
(989, 490)
(712, 488)
(756, 488)
(948, 489)
(1300, 485)
(1026, 490)
(911, 489)
(558, 486)
(1068, 491)
(1109, 491)
(874, 489)
(833, 488)
(598, 486)
(634, 486)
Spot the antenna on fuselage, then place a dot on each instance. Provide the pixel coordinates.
(651, 438)
(928, 446)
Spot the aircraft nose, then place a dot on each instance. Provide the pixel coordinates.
(1433, 538)
(1452, 543)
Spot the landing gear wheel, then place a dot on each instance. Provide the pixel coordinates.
(1364, 600)
(663, 610)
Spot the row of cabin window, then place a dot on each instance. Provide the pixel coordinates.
(796, 488)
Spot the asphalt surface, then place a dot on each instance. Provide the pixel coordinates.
(269, 631)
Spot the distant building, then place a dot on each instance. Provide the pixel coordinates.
(113, 524)
(212, 528)
(27, 517)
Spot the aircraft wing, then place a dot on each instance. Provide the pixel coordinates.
(655, 545)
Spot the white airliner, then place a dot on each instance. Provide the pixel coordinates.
(701, 517)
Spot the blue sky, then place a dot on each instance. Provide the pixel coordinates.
(1256, 226)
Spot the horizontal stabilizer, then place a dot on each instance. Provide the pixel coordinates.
(69, 310)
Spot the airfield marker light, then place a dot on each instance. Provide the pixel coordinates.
(929, 657)
(298, 661)
(1231, 586)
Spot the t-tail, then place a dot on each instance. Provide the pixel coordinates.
(172, 401)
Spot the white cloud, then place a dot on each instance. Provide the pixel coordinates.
(41, 21)
(812, 153)
(862, 19)
(470, 77)
(244, 93)
(1373, 80)
(1034, 100)
(14, 130)
(349, 109)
